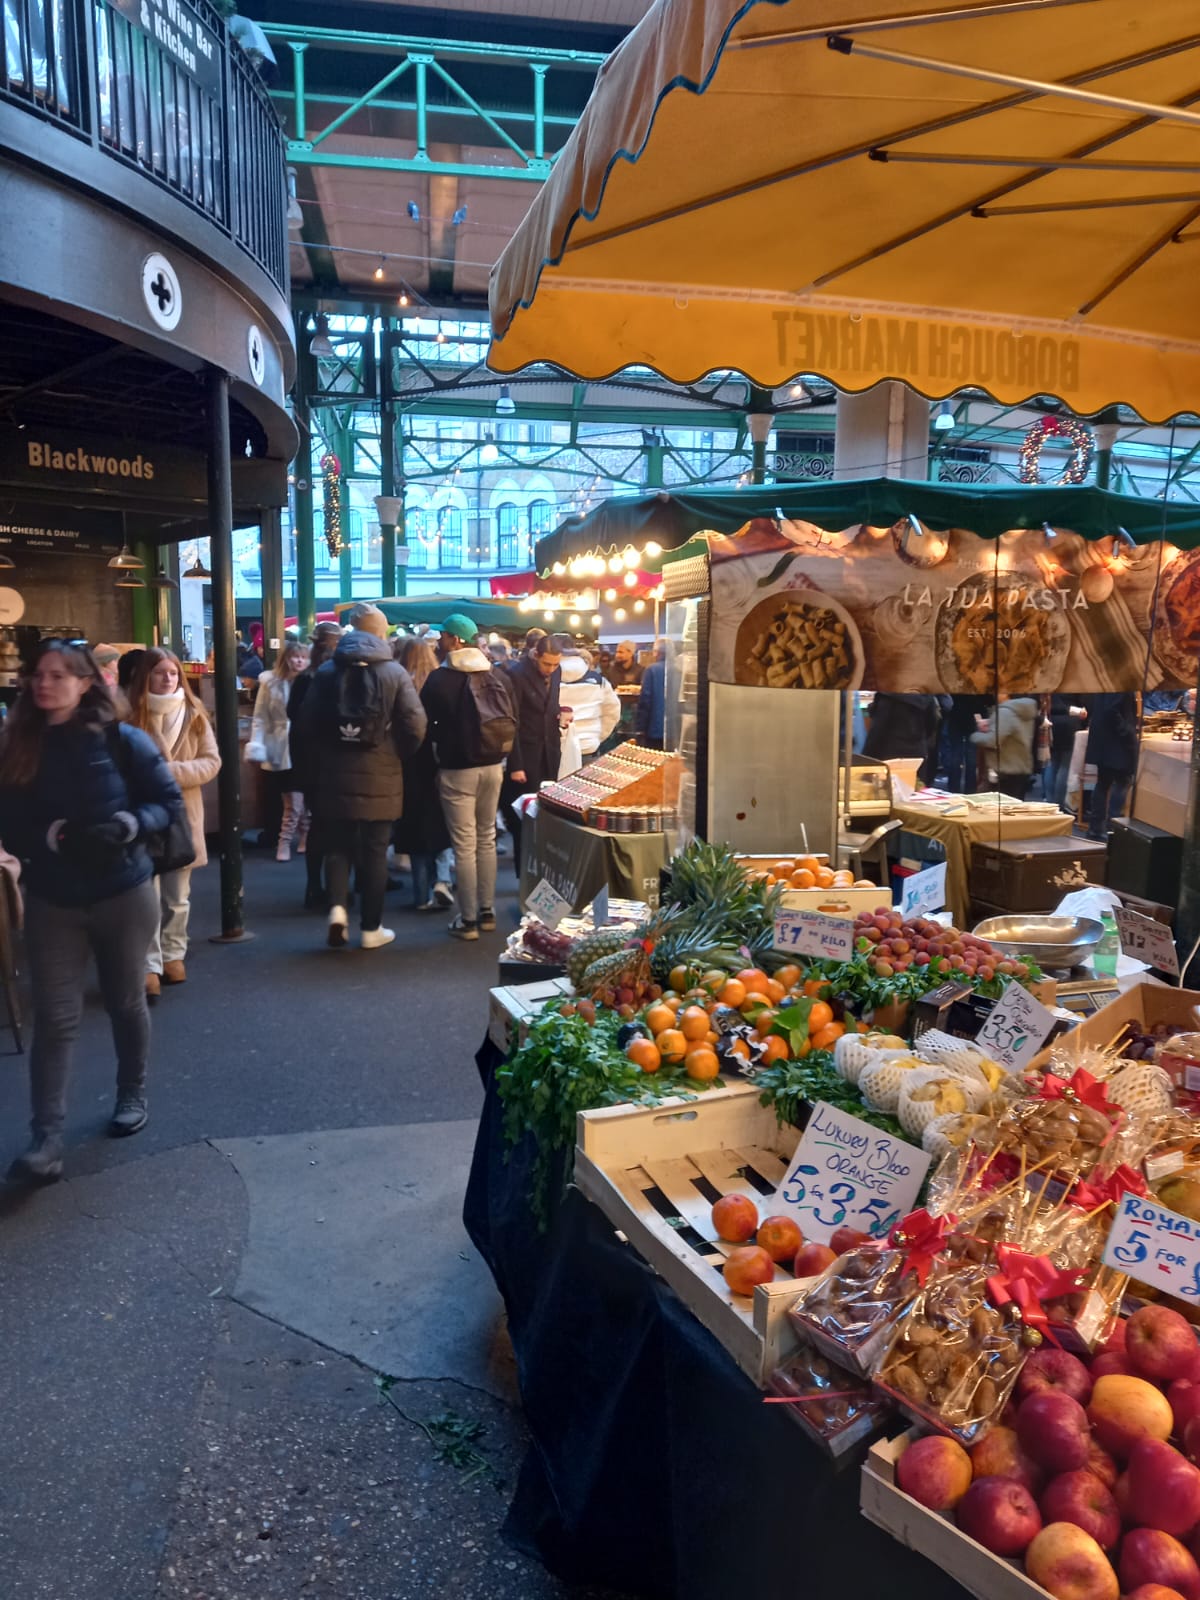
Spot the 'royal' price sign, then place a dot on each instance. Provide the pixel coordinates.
(1147, 940)
(923, 892)
(547, 904)
(812, 933)
(1016, 1028)
(846, 1172)
(1156, 1246)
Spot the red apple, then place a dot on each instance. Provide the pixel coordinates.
(1049, 1368)
(734, 1218)
(1153, 1591)
(1053, 1429)
(1070, 1564)
(746, 1267)
(1111, 1363)
(1123, 1410)
(1000, 1514)
(812, 1258)
(1184, 1398)
(1080, 1498)
(847, 1238)
(1150, 1556)
(1164, 1488)
(999, 1455)
(1159, 1343)
(1115, 1339)
(779, 1237)
(1101, 1465)
(936, 1471)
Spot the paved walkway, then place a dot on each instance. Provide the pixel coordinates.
(195, 1324)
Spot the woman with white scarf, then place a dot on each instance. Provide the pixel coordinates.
(270, 744)
(162, 702)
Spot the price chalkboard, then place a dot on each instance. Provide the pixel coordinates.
(846, 1172)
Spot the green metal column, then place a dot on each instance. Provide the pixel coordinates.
(401, 540)
(1105, 429)
(387, 482)
(656, 452)
(144, 600)
(220, 532)
(759, 420)
(270, 565)
(170, 616)
(302, 471)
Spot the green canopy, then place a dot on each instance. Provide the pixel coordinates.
(504, 616)
(670, 520)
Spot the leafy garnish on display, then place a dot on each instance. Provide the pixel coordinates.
(792, 1087)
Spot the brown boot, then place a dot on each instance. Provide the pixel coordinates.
(174, 972)
(153, 987)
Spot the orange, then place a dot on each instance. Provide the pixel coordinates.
(672, 1046)
(679, 978)
(820, 1016)
(770, 880)
(783, 869)
(813, 986)
(776, 1049)
(804, 1047)
(702, 1064)
(764, 1022)
(753, 978)
(644, 1053)
(733, 993)
(672, 1000)
(808, 864)
(660, 1016)
(739, 1047)
(756, 997)
(804, 879)
(828, 1036)
(788, 976)
(824, 878)
(695, 995)
(843, 880)
(713, 980)
(775, 990)
(710, 1037)
(693, 1023)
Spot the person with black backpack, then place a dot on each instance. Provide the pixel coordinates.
(360, 718)
(473, 726)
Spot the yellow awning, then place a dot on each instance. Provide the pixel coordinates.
(993, 193)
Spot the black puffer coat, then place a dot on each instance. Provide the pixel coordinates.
(344, 783)
(539, 741)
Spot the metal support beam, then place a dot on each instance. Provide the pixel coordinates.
(303, 155)
(302, 472)
(144, 608)
(271, 568)
(220, 533)
(301, 117)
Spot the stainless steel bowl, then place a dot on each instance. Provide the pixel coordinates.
(1050, 941)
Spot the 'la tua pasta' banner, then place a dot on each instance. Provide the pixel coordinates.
(911, 610)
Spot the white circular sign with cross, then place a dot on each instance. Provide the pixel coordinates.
(161, 291)
(256, 354)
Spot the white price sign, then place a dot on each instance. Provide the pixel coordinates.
(923, 892)
(1016, 1028)
(812, 933)
(1156, 1246)
(1147, 940)
(845, 1171)
(547, 904)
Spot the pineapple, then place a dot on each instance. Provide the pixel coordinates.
(603, 942)
(624, 969)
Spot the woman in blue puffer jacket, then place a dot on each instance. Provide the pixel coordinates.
(79, 793)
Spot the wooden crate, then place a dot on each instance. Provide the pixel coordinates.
(987, 1576)
(509, 1009)
(655, 1171)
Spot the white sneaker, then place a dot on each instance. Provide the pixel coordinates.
(373, 938)
(443, 895)
(335, 933)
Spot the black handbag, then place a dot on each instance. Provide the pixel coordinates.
(171, 849)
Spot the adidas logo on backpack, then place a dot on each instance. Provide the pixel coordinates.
(348, 733)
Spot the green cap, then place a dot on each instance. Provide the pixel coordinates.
(460, 626)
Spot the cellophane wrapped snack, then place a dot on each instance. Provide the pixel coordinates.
(846, 1314)
(953, 1357)
(836, 1408)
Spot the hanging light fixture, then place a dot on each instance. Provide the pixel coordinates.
(378, 273)
(944, 420)
(129, 580)
(574, 620)
(596, 620)
(403, 300)
(489, 454)
(618, 616)
(7, 564)
(631, 579)
(610, 595)
(126, 561)
(162, 581)
(505, 405)
(321, 344)
(198, 569)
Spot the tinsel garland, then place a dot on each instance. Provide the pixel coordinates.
(1045, 428)
(331, 474)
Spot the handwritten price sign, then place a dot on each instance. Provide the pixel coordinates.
(1147, 940)
(1016, 1028)
(547, 904)
(812, 933)
(846, 1171)
(1155, 1246)
(923, 892)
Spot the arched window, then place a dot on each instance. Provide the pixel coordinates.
(508, 535)
(450, 536)
(415, 535)
(541, 519)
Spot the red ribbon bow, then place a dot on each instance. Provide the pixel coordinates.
(1109, 1191)
(921, 1237)
(1025, 1281)
(1083, 1087)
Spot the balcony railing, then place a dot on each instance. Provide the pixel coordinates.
(159, 86)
